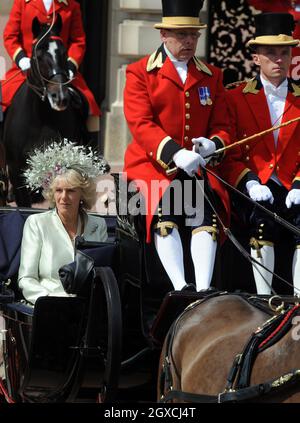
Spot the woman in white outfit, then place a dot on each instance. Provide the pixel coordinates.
(67, 175)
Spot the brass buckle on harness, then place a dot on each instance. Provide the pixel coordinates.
(273, 307)
(226, 391)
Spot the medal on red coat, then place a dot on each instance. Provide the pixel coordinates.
(208, 99)
(204, 95)
(201, 91)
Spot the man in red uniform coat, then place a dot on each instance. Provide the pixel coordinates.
(18, 39)
(269, 167)
(287, 6)
(173, 101)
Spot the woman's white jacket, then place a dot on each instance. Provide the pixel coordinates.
(46, 246)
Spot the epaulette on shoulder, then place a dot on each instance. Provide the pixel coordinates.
(235, 84)
(296, 88)
(155, 61)
(250, 87)
(202, 66)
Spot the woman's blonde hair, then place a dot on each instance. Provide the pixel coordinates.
(76, 180)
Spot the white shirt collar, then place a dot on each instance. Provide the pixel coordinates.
(267, 83)
(180, 65)
(47, 4)
(173, 59)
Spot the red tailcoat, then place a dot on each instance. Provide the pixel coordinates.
(250, 114)
(284, 6)
(163, 116)
(18, 36)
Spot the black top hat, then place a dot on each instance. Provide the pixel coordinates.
(274, 29)
(181, 14)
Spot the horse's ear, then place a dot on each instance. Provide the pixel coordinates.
(57, 27)
(36, 27)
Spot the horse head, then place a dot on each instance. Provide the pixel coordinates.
(48, 75)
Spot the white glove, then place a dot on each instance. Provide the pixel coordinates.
(24, 64)
(258, 192)
(189, 161)
(71, 74)
(293, 197)
(203, 146)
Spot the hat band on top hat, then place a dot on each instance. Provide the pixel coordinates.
(280, 39)
(180, 22)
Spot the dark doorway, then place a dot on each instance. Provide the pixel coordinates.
(93, 68)
(95, 17)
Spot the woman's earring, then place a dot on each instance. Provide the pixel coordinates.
(81, 202)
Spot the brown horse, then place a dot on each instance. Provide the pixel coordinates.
(215, 347)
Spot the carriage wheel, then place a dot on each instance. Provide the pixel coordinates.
(113, 337)
(102, 342)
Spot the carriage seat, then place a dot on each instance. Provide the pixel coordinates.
(11, 230)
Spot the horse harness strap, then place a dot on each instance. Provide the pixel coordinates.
(244, 394)
(39, 91)
(238, 380)
(270, 332)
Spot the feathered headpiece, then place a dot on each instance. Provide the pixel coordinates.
(56, 158)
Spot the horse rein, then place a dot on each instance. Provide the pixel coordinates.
(238, 381)
(41, 92)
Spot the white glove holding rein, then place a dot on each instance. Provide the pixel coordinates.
(189, 161)
(258, 192)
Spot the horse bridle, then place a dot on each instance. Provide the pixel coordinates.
(41, 91)
(238, 387)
